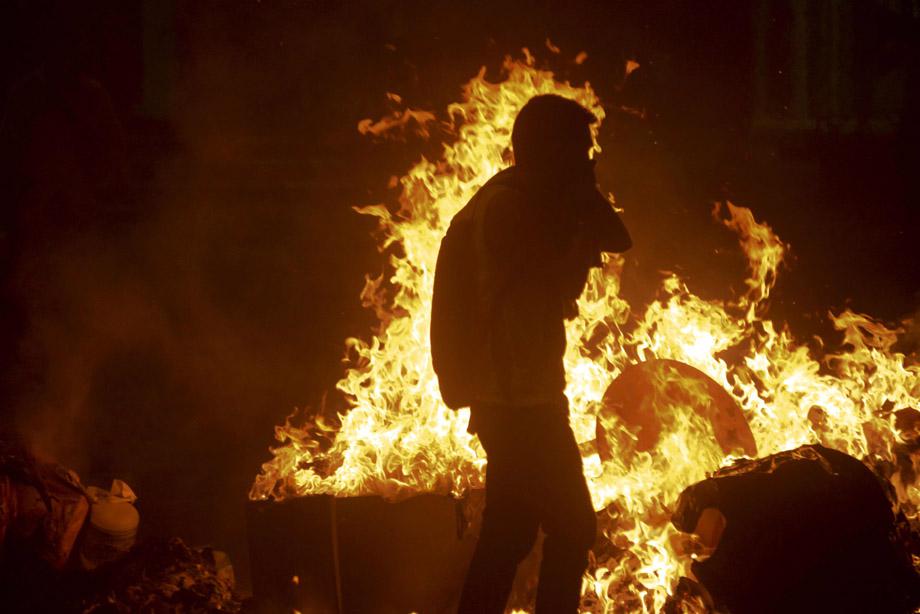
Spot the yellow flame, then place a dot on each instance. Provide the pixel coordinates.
(398, 439)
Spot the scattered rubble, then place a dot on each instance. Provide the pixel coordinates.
(165, 576)
(58, 556)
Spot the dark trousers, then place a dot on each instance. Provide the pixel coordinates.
(534, 480)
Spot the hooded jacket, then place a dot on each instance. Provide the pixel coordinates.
(534, 243)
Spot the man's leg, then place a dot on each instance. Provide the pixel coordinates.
(509, 526)
(567, 518)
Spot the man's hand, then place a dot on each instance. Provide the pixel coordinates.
(595, 215)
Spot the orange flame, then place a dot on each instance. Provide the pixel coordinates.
(398, 439)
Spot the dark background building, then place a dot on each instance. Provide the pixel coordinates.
(181, 263)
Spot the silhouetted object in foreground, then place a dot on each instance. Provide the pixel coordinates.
(510, 268)
(807, 530)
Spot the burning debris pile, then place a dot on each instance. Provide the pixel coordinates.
(705, 412)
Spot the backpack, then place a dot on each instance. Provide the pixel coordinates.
(453, 312)
(457, 327)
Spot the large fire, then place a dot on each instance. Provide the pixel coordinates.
(399, 439)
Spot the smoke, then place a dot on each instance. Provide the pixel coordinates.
(166, 315)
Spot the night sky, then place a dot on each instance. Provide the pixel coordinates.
(179, 256)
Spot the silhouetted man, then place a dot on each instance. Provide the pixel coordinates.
(535, 230)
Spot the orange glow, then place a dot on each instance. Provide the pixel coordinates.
(398, 439)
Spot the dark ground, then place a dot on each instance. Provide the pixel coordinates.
(181, 265)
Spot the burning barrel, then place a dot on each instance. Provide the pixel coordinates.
(323, 554)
